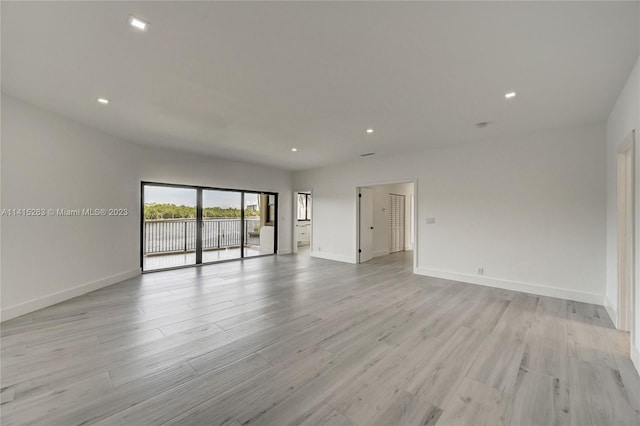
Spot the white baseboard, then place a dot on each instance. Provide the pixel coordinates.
(381, 253)
(633, 351)
(613, 312)
(635, 358)
(331, 256)
(284, 251)
(51, 299)
(537, 289)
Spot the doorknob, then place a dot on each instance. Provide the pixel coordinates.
(372, 227)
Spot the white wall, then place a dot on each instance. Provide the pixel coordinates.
(48, 162)
(530, 210)
(624, 117)
(381, 227)
(51, 162)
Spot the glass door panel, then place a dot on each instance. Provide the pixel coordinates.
(251, 224)
(169, 230)
(259, 226)
(221, 225)
(268, 236)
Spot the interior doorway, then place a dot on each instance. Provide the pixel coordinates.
(385, 217)
(626, 200)
(303, 226)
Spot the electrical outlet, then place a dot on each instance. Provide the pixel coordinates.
(481, 271)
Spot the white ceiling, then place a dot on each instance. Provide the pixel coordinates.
(251, 80)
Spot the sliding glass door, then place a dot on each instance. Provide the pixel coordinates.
(188, 225)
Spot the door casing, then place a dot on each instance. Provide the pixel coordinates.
(626, 232)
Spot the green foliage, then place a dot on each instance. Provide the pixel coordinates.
(168, 211)
(155, 211)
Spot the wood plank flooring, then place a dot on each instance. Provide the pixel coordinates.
(295, 340)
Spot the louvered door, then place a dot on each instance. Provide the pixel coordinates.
(396, 222)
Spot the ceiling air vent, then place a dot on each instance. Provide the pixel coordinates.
(367, 154)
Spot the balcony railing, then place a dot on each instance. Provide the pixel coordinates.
(179, 235)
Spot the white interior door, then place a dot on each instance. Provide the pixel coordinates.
(396, 222)
(366, 224)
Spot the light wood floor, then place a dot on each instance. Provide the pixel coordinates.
(293, 340)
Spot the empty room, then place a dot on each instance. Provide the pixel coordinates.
(320, 213)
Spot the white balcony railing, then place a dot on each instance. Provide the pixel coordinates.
(179, 235)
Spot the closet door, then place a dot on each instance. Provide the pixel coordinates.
(396, 222)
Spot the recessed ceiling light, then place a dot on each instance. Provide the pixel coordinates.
(103, 101)
(510, 95)
(294, 149)
(137, 23)
(369, 131)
